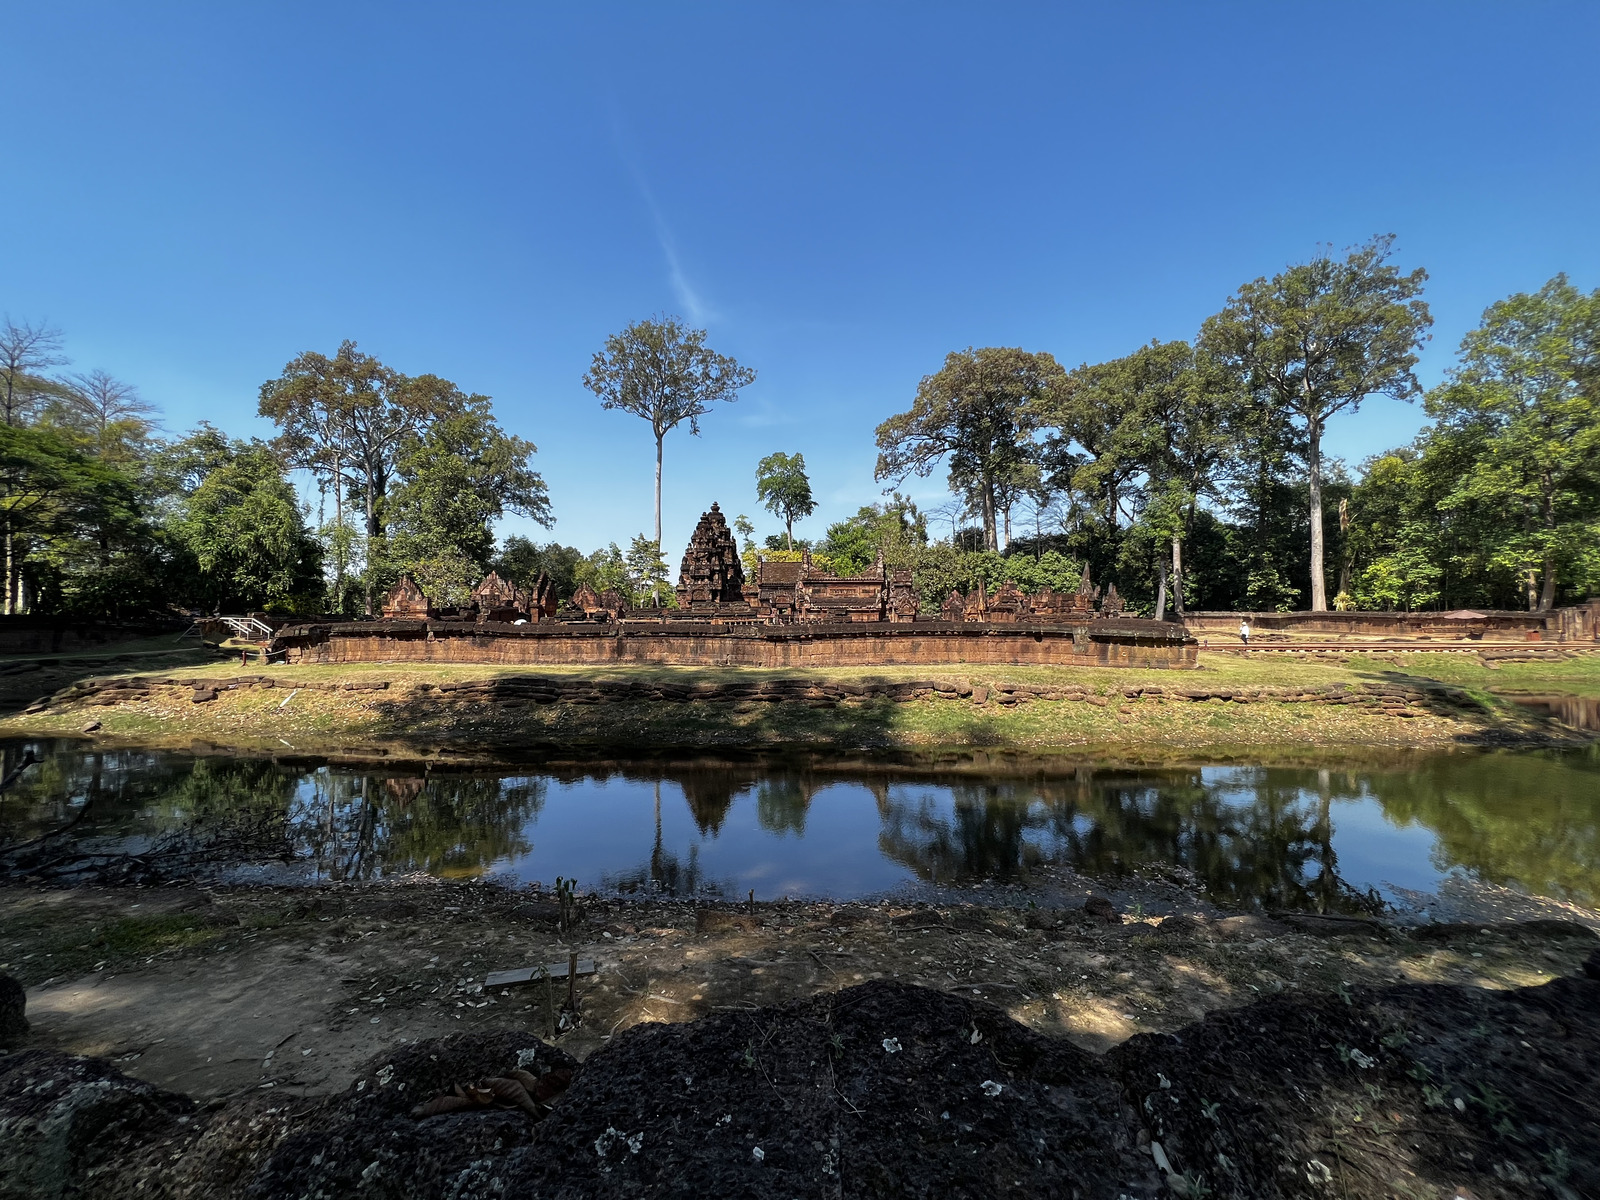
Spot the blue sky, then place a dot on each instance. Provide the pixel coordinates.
(840, 193)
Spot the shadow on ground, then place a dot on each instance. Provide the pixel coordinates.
(885, 1089)
(25, 678)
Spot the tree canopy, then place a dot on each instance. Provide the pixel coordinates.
(976, 414)
(1319, 338)
(782, 485)
(663, 371)
(1524, 406)
(453, 481)
(359, 426)
(239, 522)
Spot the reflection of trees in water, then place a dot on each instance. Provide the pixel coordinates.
(1526, 819)
(129, 792)
(985, 839)
(360, 826)
(782, 802)
(1251, 836)
(662, 871)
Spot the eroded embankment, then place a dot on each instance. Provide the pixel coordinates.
(770, 710)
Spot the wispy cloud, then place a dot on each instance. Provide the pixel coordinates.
(762, 413)
(695, 306)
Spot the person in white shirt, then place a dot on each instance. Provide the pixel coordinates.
(1244, 632)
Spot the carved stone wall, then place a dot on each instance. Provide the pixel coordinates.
(405, 599)
(498, 599)
(1100, 643)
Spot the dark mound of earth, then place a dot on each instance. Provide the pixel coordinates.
(883, 1090)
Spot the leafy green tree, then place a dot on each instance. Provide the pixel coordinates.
(745, 528)
(52, 497)
(234, 513)
(114, 565)
(1192, 407)
(453, 481)
(976, 414)
(1525, 402)
(1316, 340)
(782, 485)
(647, 573)
(1099, 435)
(1399, 540)
(348, 420)
(893, 530)
(605, 570)
(26, 352)
(1143, 437)
(663, 371)
(521, 560)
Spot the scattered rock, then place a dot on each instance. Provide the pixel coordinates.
(1179, 927)
(65, 1123)
(91, 727)
(204, 695)
(1102, 911)
(1249, 925)
(920, 918)
(545, 913)
(1045, 918)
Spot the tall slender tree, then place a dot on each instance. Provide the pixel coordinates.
(1316, 340)
(663, 371)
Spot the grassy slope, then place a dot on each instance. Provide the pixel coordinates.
(1145, 728)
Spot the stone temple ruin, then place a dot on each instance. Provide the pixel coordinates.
(712, 576)
(791, 614)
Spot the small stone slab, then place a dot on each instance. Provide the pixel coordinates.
(530, 974)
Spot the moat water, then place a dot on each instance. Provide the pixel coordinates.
(1281, 837)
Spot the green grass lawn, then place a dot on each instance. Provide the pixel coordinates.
(1579, 675)
(403, 716)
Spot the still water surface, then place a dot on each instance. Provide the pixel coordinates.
(1278, 836)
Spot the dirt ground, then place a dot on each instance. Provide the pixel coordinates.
(210, 991)
(884, 1089)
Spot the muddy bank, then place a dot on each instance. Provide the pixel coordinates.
(885, 1089)
(212, 991)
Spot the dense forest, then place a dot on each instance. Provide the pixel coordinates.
(1190, 473)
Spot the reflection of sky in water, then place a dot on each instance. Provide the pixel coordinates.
(1248, 833)
(599, 831)
(1378, 853)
